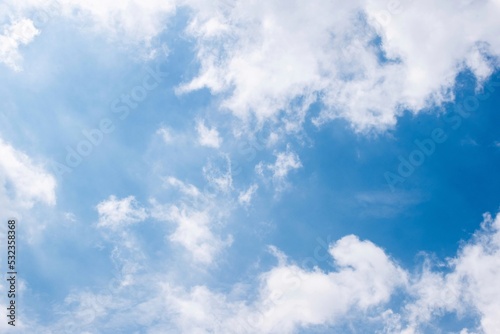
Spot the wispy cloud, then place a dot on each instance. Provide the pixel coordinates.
(285, 162)
(115, 213)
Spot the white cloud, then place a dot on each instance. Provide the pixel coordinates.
(23, 183)
(166, 135)
(137, 21)
(196, 216)
(129, 22)
(289, 297)
(115, 213)
(286, 162)
(265, 57)
(186, 189)
(356, 292)
(245, 197)
(208, 136)
(292, 297)
(193, 232)
(361, 286)
(115, 216)
(18, 33)
(274, 60)
(470, 285)
(218, 174)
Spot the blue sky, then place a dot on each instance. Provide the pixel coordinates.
(244, 167)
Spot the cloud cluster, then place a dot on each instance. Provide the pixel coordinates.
(469, 285)
(196, 216)
(360, 288)
(290, 297)
(365, 60)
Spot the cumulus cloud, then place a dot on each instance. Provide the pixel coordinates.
(358, 290)
(208, 137)
(363, 282)
(363, 60)
(23, 183)
(18, 33)
(471, 283)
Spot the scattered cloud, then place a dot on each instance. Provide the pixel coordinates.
(115, 213)
(18, 33)
(286, 162)
(245, 197)
(197, 216)
(208, 137)
(133, 22)
(186, 189)
(193, 232)
(362, 61)
(218, 174)
(166, 135)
